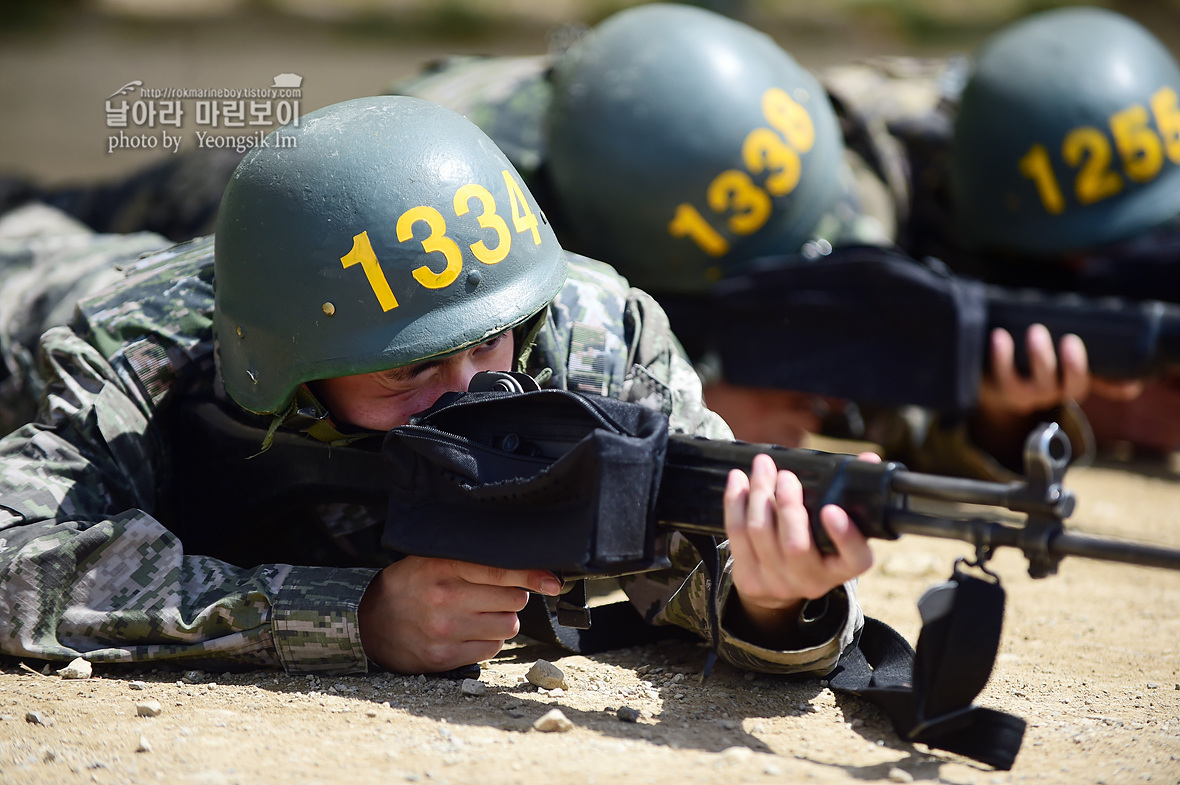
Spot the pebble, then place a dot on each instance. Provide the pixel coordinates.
(900, 775)
(148, 709)
(627, 714)
(553, 721)
(35, 718)
(137, 685)
(144, 745)
(737, 753)
(473, 687)
(546, 675)
(77, 669)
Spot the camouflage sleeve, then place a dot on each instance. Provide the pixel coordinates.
(86, 570)
(661, 376)
(48, 261)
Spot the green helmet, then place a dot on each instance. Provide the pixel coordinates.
(683, 143)
(1068, 135)
(377, 233)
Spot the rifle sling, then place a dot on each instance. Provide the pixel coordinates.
(954, 658)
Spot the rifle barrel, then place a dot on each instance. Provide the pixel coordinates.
(1055, 542)
(953, 489)
(1088, 547)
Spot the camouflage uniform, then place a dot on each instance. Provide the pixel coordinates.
(48, 261)
(88, 566)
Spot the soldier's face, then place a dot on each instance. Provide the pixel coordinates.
(386, 399)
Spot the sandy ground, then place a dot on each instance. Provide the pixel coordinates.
(1090, 658)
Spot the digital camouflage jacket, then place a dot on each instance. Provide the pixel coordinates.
(90, 568)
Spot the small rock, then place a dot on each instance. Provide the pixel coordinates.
(473, 687)
(34, 718)
(49, 757)
(148, 709)
(900, 775)
(627, 714)
(77, 669)
(144, 745)
(553, 722)
(193, 677)
(737, 753)
(546, 675)
(137, 685)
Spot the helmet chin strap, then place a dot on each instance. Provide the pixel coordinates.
(525, 338)
(306, 414)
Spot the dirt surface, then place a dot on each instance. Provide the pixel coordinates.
(1090, 658)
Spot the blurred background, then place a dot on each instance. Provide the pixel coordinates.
(61, 59)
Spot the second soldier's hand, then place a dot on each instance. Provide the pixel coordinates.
(422, 615)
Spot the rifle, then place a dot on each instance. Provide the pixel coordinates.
(587, 486)
(875, 326)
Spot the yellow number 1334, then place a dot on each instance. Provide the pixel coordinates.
(437, 241)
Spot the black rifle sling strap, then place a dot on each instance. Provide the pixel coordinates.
(926, 695)
(961, 621)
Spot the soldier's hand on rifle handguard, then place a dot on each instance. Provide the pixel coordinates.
(1012, 400)
(776, 565)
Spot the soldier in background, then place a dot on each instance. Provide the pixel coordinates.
(177, 197)
(1064, 174)
(48, 262)
(681, 146)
